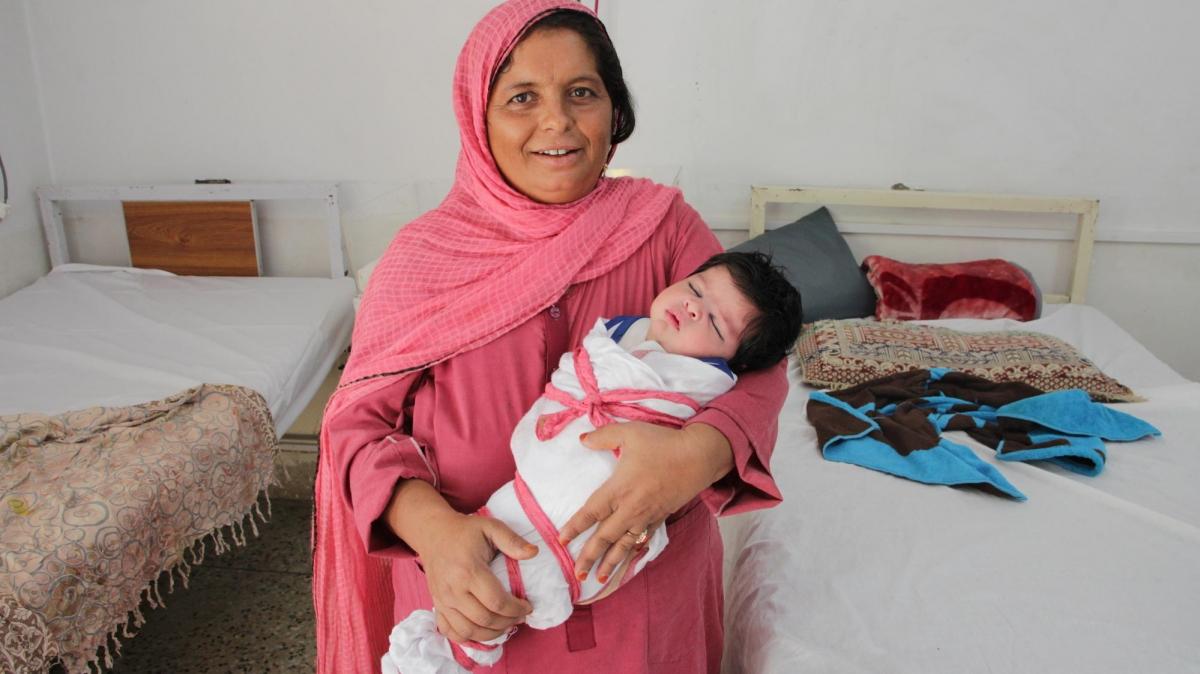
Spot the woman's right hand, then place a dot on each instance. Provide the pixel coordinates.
(469, 602)
(456, 551)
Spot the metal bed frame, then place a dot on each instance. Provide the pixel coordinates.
(1085, 211)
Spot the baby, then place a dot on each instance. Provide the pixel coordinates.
(736, 313)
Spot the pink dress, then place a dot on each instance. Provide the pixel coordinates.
(450, 425)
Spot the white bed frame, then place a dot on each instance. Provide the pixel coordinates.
(49, 199)
(1086, 211)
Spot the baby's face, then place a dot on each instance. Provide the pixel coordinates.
(702, 316)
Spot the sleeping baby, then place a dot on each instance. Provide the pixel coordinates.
(736, 313)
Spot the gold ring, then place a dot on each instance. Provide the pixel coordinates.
(639, 536)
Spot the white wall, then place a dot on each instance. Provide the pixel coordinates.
(1024, 96)
(354, 92)
(22, 144)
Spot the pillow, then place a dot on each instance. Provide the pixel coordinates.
(839, 354)
(363, 275)
(978, 289)
(819, 263)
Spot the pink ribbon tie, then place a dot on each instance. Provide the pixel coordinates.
(602, 407)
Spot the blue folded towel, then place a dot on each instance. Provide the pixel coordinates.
(894, 424)
(1073, 412)
(943, 462)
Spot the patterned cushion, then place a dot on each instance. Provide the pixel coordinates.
(840, 353)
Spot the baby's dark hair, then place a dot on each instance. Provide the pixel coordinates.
(770, 335)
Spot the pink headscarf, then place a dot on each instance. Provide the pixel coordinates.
(484, 261)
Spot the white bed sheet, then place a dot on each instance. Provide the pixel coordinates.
(84, 336)
(858, 571)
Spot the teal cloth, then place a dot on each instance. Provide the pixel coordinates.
(1069, 430)
(946, 463)
(1073, 412)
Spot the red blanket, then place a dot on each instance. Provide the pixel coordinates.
(977, 289)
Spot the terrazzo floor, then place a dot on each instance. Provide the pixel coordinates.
(248, 609)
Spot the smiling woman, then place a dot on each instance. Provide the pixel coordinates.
(557, 108)
(549, 119)
(465, 317)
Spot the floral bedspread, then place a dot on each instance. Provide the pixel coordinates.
(96, 504)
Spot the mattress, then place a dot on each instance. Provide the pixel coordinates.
(858, 571)
(84, 336)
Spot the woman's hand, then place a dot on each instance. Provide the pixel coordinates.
(660, 470)
(456, 551)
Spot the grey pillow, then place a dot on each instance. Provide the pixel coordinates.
(819, 263)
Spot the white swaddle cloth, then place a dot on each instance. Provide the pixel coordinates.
(560, 474)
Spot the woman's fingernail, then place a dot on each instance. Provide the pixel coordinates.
(602, 578)
(581, 575)
(583, 437)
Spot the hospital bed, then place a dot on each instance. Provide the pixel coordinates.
(860, 571)
(78, 554)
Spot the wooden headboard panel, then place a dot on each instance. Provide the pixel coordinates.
(1085, 211)
(52, 198)
(194, 238)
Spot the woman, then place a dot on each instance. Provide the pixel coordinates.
(465, 318)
